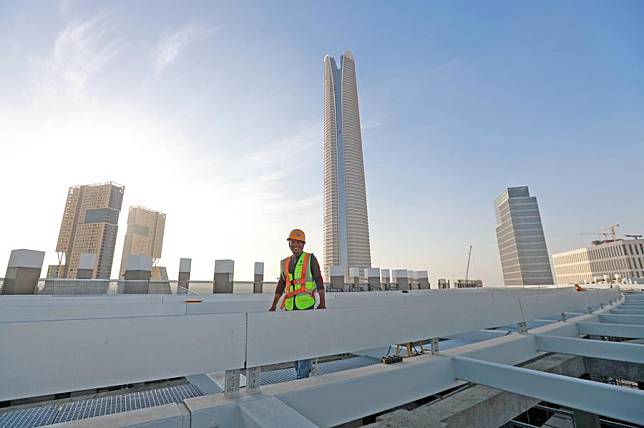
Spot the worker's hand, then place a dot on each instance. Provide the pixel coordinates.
(321, 306)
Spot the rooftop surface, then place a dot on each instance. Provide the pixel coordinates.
(62, 344)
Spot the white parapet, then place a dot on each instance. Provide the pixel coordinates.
(185, 265)
(259, 268)
(372, 273)
(224, 266)
(87, 261)
(26, 258)
(138, 263)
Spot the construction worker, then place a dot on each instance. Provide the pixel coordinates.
(300, 276)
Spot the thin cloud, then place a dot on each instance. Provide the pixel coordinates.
(171, 46)
(79, 52)
(447, 64)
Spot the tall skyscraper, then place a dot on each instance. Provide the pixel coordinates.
(346, 224)
(522, 245)
(90, 224)
(144, 235)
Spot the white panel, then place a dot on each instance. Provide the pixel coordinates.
(354, 272)
(57, 356)
(385, 274)
(224, 266)
(72, 312)
(87, 261)
(259, 268)
(352, 329)
(538, 306)
(138, 262)
(26, 258)
(185, 265)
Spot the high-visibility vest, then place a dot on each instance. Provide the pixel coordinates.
(300, 286)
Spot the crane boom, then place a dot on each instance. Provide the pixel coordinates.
(467, 269)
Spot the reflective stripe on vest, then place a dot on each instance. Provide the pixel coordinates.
(300, 287)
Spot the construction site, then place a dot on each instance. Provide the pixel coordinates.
(136, 352)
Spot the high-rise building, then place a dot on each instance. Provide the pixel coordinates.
(144, 236)
(604, 261)
(90, 224)
(522, 244)
(346, 224)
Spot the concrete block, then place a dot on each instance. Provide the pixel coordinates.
(185, 265)
(224, 266)
(26, 258)
(138, 263)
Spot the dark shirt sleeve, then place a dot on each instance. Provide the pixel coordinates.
(281, 284)
(316, 273)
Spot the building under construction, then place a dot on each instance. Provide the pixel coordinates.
(478, 357)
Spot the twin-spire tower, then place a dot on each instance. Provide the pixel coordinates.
(346, 224)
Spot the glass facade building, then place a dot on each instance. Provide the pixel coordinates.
(345, 223)
(522, 244)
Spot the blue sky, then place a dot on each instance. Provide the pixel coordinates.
(211, 112)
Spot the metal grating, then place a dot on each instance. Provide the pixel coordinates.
(287, 375)
(29, 417)
(101, 406)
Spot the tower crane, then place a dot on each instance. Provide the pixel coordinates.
(605, 232)
(467, 269)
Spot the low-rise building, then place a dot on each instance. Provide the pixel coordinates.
(459, 283)
(604, 261)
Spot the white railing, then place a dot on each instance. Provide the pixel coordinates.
(73, 343)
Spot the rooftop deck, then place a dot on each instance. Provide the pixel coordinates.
(61, 344)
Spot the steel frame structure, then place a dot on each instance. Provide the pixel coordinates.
(91, 333)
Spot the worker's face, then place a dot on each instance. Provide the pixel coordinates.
(296, 246)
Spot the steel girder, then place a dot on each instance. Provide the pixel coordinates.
(614, 330)
(620, 403)
(617, 351)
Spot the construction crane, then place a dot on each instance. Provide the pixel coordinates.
(467, 269)
(605, 232)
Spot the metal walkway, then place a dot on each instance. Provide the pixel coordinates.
(89, 408)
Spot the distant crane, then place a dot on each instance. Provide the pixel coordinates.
(605, 232)
(467, 269)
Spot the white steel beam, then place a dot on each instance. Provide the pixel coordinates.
(632, 305)
(614, 330)
(627, 311)
(342, 397)
(48, 357)
(622, 319)
(270, 412)
(603, 399)
(626, 352)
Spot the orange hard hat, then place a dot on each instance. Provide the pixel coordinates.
(297, 234)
